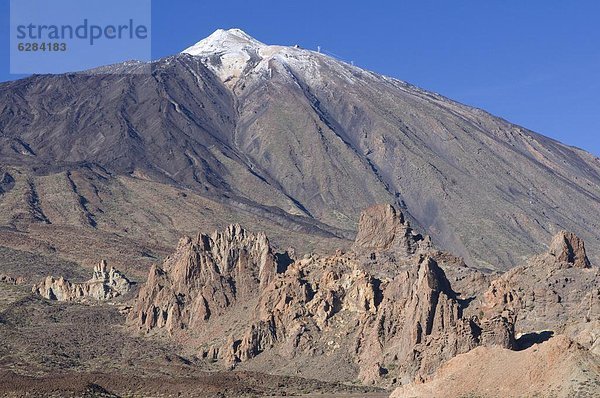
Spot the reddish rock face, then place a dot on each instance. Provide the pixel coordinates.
(549, 291)
(384, 311)
(395, 318)
(203, 278)
(407, 325)
(382, 227)
(568, 248)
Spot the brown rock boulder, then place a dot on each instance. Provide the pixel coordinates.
(568, 248)
(382, 227)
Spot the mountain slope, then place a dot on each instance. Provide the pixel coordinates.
(556, 368)
(299, 138)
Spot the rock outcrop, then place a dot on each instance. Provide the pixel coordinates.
(557, 368)
(383, 228)
(385, 317)
(385, 312)
(203, 278)
(390, 329)
(11, 280)
(568, 248)
(550, 290)
(105, 284)
(418, 325)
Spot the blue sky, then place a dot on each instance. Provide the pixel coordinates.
(535, 63)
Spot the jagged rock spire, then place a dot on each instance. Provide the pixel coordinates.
(569, 248)
(203, 278)
(383, 227)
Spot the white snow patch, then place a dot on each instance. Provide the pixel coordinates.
(228, 54)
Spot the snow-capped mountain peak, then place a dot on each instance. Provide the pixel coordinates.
(232, 54)
(227, 53)
(224, 41)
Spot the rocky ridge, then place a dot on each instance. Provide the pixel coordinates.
(555, 302)
(203, 278)
(105, 284)
(551, 290)
(386, 317)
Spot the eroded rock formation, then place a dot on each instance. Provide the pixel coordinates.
(105, 284)
(203, 278)
(384, 312)
(550, 290)
(382, 227)
(388, 316)
(568, 248)
(12, 280)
